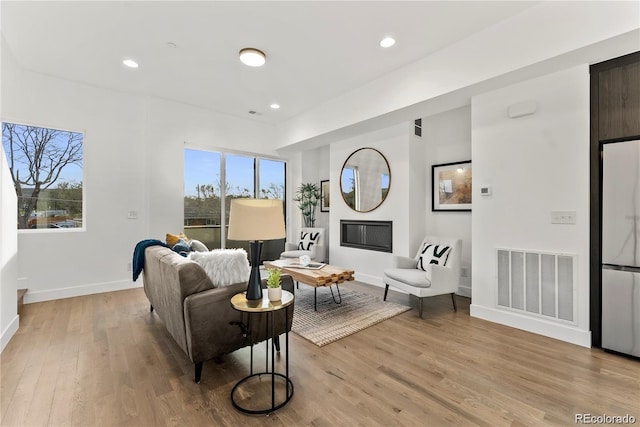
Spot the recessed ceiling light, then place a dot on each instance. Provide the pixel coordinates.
(252, 57)
(130, 63)
(275, 106)
(387, 42)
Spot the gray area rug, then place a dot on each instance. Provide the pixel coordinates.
(333, 321)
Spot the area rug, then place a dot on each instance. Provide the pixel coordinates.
(333, 321)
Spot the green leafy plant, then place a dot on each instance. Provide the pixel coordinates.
(273, 279)
(308, 197)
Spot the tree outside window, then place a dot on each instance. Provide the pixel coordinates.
(46, 168)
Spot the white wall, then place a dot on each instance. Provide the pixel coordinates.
(447, 138)
(535, 164)
(133, 161)
(310, 166)
(8, 245)
(62, 264)
(170, 126)
(8, 255)
(418, 199)
(393, 143)
(315, 168)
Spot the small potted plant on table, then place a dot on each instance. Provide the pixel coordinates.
(273, 285)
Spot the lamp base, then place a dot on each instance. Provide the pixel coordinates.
(254, 287)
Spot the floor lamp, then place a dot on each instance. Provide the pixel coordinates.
(255, 220)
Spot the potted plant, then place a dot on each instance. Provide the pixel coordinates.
(274, 289)
(308, 197)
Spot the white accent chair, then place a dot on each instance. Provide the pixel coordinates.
(436, 280)
(306, 245)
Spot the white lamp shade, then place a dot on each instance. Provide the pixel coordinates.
(256, 219)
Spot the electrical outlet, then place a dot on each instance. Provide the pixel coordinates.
(129, 267)
(464, 272)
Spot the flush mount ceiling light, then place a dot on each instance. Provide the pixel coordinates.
(275, 106)
(252, 57)
(387, 42)
(130, 63)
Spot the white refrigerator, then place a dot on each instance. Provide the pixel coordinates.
(621, 247)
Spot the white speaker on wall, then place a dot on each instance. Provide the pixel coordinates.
(522, 109)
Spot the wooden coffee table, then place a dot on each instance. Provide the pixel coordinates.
(325, 276)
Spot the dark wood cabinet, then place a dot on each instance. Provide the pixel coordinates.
(619, 102)
(615, 116)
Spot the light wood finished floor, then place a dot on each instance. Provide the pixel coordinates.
(105, 360)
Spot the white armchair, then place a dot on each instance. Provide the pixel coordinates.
(311, 243)
(435, 270)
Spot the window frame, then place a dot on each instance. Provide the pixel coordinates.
(62, 128)
(223, 177)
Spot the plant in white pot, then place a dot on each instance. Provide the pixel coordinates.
(274, 288)
(308, 197)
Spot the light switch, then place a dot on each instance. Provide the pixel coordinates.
(132, 215)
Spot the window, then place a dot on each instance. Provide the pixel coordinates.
(213, 179)
(46, 167)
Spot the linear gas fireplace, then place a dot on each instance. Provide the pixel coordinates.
(371, 235)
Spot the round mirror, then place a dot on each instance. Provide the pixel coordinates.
(365, 179)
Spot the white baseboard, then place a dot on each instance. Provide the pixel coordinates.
(76, 291)
(9, 332)
(464, 291)
(371, 280)
(566, 333)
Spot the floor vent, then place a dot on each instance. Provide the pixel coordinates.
(537, 283)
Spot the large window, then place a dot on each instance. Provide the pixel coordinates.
(213, 179)
(46, 167)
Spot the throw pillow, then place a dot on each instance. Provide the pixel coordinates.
(224, 266)
(171, 239)
(308, 239)
(433, 254)
(181, 247)
(198, 246)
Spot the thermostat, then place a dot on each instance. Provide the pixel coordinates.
(485, 191)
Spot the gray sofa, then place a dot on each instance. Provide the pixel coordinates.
(198, 315)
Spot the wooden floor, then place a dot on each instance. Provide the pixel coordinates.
(105, 360)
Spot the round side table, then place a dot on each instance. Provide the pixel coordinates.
(241, 303)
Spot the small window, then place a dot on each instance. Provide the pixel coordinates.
(46, 168)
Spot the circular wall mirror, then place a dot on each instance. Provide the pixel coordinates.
(365, 179)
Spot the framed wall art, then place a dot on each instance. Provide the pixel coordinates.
(451, 186)
(324, 196)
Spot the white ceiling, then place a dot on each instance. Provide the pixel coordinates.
(316, 51)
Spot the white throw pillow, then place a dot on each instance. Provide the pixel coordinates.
(433, 254)
(308, 239)
(224, 266)
(198, 246)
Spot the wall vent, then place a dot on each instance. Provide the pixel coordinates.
(537, 283)
(417, 127)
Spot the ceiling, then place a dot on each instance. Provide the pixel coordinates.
(316, 51)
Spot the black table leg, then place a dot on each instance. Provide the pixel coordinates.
(334, 297)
